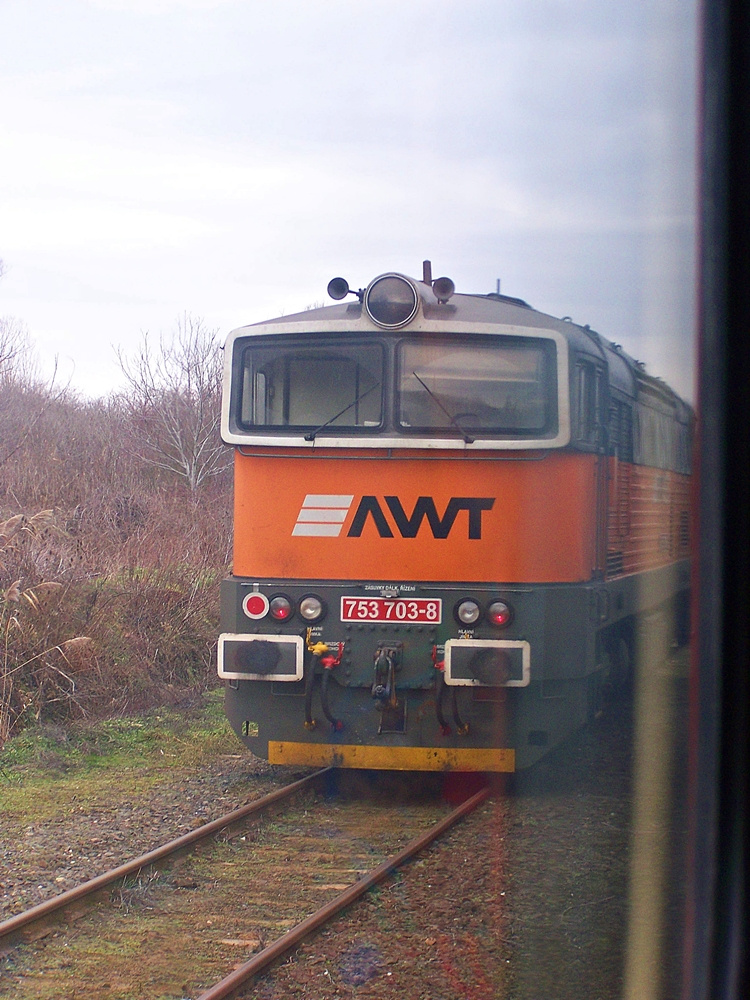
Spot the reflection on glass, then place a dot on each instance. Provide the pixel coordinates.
(312, 387)
(506, 387)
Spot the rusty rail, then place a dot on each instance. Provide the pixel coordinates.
(235, 979)
(16, 923)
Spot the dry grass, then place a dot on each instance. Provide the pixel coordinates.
(35, 666)
(99, 643)
(109, 566)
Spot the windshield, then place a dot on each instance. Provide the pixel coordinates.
(498, 385)
(312, 387)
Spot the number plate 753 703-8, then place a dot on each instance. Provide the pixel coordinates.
(406, 611)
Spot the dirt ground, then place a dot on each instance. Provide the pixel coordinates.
(528, 898)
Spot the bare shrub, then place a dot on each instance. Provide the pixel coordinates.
(109, 592)
(110, 645)
(36, 664)
(155, 634)
(37, 548)
(174, 403)
(16, 361)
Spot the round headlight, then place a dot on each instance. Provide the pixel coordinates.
(255, 605)
(391, 301)
(311, 608)
(281, 608)
(468, 612)
(499, 613)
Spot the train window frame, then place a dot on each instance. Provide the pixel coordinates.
(590, 393)
(660, 438)
(302, 351)
(548, 355)
(233, 433)
(717, 963)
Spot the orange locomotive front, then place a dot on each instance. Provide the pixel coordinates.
(444, 510)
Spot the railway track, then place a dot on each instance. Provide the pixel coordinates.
(351, 857)
(14, 926)
(227, 986)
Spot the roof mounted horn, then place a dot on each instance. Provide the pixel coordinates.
(338, 288)
(442, 287)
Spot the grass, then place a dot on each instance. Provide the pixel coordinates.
(44, 766)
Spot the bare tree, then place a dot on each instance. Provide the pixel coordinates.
(174, 402)
(24, 398)
(15, 349)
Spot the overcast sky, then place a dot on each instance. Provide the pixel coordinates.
(226, 159)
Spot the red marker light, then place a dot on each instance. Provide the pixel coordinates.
(281, 608)
(499, 613)
(255, 605)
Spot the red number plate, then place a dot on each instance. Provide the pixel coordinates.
(406, 610)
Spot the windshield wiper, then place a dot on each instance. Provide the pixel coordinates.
(358, 399)
(468, 439)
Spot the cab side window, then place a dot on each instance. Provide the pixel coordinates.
(588, 378)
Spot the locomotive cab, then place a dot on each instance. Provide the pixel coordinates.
(422, 530)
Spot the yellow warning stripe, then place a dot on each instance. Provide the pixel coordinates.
(392, 758)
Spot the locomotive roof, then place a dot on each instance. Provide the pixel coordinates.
(492, 309)
(625, 373)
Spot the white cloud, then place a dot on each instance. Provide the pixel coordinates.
(192, 155)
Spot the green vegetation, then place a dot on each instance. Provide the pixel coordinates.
(48, 766)
(109, 743)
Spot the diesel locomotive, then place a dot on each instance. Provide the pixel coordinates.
(451, 511)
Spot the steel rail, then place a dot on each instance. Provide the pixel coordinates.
(49, 906)
(235, 979)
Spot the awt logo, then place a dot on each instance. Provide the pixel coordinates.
(323, 515)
